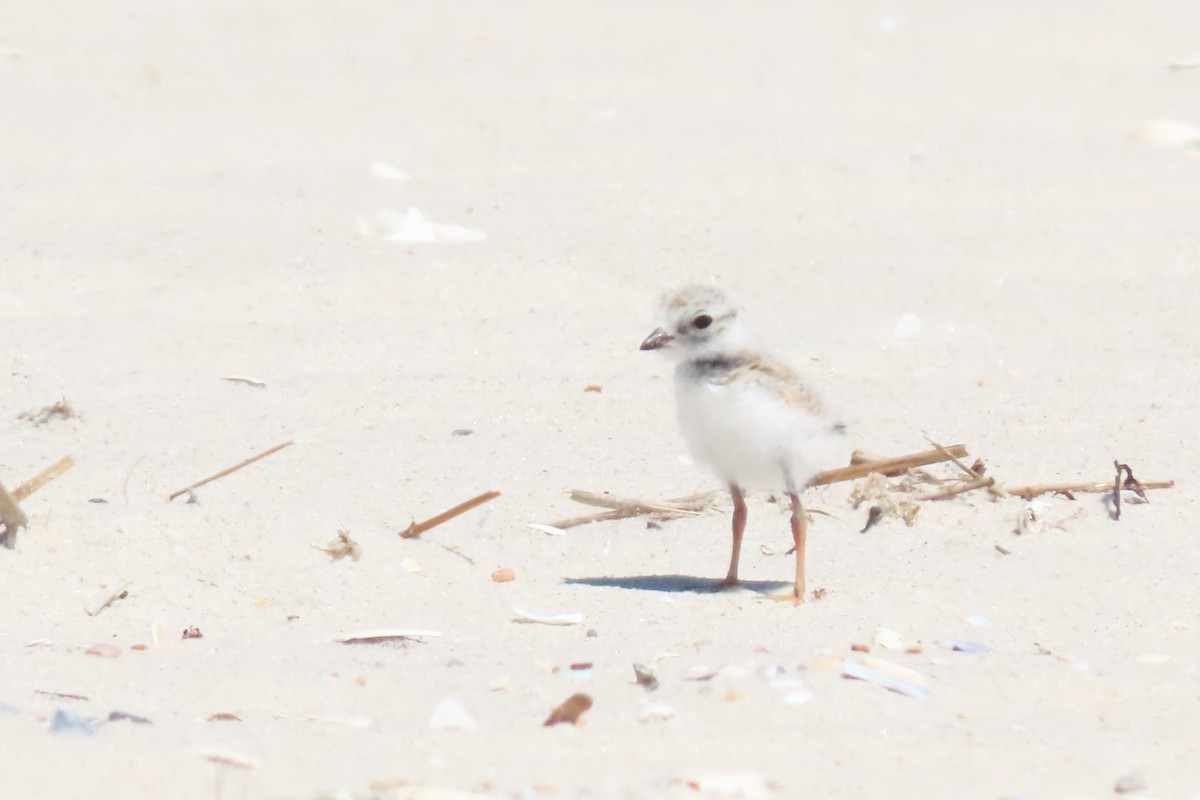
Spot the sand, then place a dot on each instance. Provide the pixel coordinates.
(200, 190)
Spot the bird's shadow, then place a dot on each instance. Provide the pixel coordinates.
(676, 583)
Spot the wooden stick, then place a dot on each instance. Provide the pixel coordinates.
(571, 522)
(621, 508)
(234, 468)
(685, 504)
(1033, 490)
(959, 488)
(889, 466)
(970, 473)
(623, 513)
(417, 528)
(108, 599)
(42, 478)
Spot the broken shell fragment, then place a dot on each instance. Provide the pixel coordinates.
(570, 710)
(962, 646)
(504, 575)
(748, 785)
(65, 721)
(888, 639)
(892, 677)
(229, 759)
(656, 711)
(1131, 782)
(104, 650)
(451, 716)
(385, 634)
(520, 615)
(1165, 133)
(645, 677)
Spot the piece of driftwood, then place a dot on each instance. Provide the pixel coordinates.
(889, 466)
(42, 478)
(417, 528)
(1033, 490)
(230, 470)
(108, 599)
(956, 489)
(622, 508)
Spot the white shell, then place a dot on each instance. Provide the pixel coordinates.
(888, 639)
(451, 716)
(893, 677)
(1165, 133)
(520, 615)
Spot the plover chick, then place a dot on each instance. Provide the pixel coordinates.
(750, 418)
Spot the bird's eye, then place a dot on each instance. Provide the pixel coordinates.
(701, 322)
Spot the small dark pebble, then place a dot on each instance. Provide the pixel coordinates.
(461, 432)
(592, 633)
(97, 500)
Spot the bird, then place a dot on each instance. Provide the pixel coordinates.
(749, 417)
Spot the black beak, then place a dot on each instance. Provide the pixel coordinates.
(659, 338)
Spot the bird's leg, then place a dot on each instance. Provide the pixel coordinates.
(739, 527)
(799, 535)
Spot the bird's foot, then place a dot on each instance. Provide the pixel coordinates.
(795, 596)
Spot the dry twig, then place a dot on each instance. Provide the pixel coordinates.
(417, 528)
(257, 384)
(1034, 489)
(622, 508)
(230, 470)
(42, 478)
(889, 466)
(959, 488)
(108, 599)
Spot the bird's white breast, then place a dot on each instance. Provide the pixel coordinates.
(750, 435)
